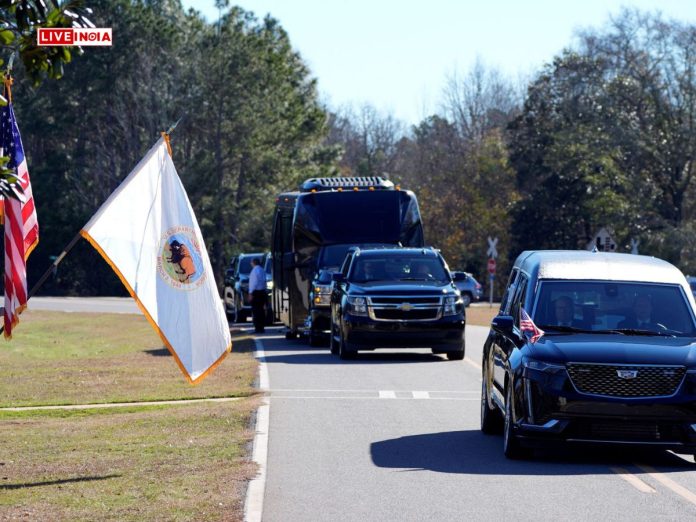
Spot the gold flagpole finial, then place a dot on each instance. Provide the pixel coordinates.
(165, 136)
(8, 80)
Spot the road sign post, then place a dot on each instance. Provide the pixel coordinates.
(492, 253)
(491, 272)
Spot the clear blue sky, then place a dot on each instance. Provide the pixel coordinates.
(397, 54)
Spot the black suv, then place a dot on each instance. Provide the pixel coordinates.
(236, 292)
(397, 297)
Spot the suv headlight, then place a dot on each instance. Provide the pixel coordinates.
(541, 366)
(321, 295)
(451, 303)
(357, 305)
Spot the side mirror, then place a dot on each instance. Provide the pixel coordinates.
(503, 324)
(325, 277)
(337, 277)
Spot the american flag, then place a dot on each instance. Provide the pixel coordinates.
(528, 326)
(21, 225)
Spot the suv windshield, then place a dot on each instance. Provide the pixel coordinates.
(245, 265)
(332, 256)
(401, 267)
(632, 308)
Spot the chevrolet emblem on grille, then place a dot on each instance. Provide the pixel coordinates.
(627, 374)
(406, 307)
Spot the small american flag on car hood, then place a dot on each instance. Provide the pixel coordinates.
(527, 326)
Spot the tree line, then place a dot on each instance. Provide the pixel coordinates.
(602, 136)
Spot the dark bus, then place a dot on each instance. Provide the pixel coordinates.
(313, 229)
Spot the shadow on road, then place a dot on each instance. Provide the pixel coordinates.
(324, 357)
(298, 351)
(473, 453)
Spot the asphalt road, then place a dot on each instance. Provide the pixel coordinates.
(118, 305)
(394, 435)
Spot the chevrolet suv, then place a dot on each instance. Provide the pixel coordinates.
(236, 291)
(592, 348)
(396, 297)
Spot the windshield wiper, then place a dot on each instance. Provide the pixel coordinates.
(635, 331)
(415, 279)
(573, 329)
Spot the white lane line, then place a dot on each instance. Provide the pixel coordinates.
(680, 490)
(327, 390)
(349, 398)
(472, 363)
(260, 354)
(421, 395)
(253, 504)
(633, 480)
(387, 394)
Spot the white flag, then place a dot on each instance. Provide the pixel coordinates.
(149, 235)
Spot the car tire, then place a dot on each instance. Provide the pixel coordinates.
(343, 351)
(511, 444)
(456, 356)
(314, 339)
(466, 299)
(491, 419)
(290, 335)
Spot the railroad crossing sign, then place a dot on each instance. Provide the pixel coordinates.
(491, 266)
(603, 241)
(492, 252)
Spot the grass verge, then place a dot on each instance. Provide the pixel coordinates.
(61, 358)
(163, 462)
(183, 462)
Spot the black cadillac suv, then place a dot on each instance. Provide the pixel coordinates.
(592, 348)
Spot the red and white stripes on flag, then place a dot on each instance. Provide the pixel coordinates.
(21, 224)
(528, 326)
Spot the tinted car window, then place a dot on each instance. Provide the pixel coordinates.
(518, 298)
(245, 265)
(332, 256)
(510, 289)
(398, 268)
(612, 305)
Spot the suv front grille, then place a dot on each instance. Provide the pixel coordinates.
(411, 315)
(377, 300)
(637, 381)
(404, 308)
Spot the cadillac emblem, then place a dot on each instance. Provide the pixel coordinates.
(627, 374)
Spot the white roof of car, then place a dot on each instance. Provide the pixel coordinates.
(584, 265)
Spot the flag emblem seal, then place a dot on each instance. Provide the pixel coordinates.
(180, 263)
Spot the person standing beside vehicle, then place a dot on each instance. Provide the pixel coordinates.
(257, 294)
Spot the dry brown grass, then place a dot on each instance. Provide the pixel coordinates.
(165, 462)
(481, 315)
(61, 358)
(184, 462)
